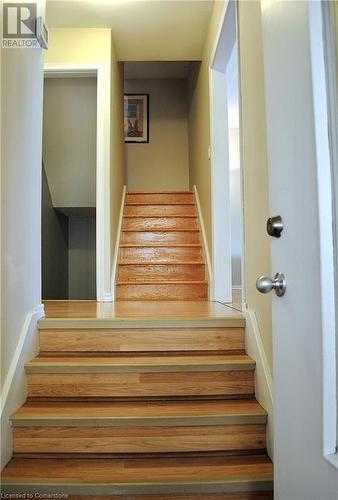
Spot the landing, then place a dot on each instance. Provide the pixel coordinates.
(130, 310)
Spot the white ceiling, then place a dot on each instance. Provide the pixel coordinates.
(151, 30)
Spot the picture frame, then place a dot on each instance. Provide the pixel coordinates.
(136, 118)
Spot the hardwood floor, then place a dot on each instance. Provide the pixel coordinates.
(136, 310)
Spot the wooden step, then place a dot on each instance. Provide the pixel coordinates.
(226, 474)
(161, 254)
(169, 198)
(131, 427)
(155, 237)
(141, 376)
(248, 495)
(156, 223)
(160, 210)
(161, 271)
(138, 339)
(174, 290)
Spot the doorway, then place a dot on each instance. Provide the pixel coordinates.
(227, 206)
(69, 188)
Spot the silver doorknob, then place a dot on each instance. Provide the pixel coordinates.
(265, 284)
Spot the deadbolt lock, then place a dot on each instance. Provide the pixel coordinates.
(275, 226)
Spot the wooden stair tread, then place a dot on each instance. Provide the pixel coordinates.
(162, 282)
(137, 362)
(160, 245)
(158, 202)
(138, 413)
(137, 475)
(160, 192)
(162, 216)
(163, 263)
(161, 230)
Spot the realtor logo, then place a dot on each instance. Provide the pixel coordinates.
(19, 25)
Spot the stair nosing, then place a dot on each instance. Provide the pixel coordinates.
(159, 245)
(160, 230)
(162, 216)
(139, 322)
(49, 416)
(71, 365)
(163, 263)
(177, 421)
(162, 282)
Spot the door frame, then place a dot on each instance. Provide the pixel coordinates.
(103, 232)
(221, 280)
(324, 66)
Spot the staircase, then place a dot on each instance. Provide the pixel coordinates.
(157, 406)
(161, 256)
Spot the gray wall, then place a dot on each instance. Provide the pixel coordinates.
(82, 258)
(69, 140)
(54, 247)
(161, 165)
(69, 153)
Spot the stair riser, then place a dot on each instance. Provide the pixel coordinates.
(160, 198)
(148, 384)
(164, 223)
(163, 292)
(131, 340)
(138, 439)
(159, 210)
(147, 237)
(185, 272)
(169, 254)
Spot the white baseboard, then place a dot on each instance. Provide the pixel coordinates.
(14, 391)
(117, 247)
(204, 239)
(263, 377)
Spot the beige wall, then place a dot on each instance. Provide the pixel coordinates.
(21, 153)
(117, 149)
(254, 155)
(69, 140)
(199, 123)
(162, 164)
(255, 166)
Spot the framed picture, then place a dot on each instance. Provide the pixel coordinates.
(136, 118)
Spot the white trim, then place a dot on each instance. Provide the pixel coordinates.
(219, 32)
(31, 320)
(103, 226)
(117, 243)
(221, 289)
(14, 390)
(220, 169)
(263, 377)
(326, 205)
(204, 238)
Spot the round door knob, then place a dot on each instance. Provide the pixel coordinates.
(265, 284)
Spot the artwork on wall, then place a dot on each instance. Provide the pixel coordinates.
(136, 118)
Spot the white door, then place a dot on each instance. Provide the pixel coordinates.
(303, 415)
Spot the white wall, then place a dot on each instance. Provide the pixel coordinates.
(161, 165)
(21, 155)
(69, 140)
